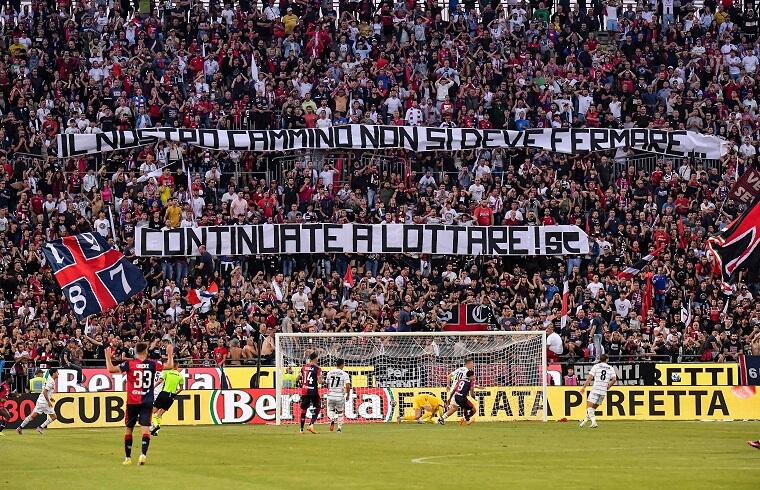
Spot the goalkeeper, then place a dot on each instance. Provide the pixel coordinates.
(424, 407)
(172, 381)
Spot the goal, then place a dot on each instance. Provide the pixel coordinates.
(388, 370)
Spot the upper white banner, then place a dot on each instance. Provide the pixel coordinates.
(319, 238)
(362, 137)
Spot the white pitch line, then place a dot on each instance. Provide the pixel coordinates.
(424, 460)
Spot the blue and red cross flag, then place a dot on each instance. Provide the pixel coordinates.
(93, 276)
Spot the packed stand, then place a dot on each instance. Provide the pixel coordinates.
(99, 66)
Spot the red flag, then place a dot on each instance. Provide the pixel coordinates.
(646, 302)
(682, 243)
(565, 298)
(348, 279)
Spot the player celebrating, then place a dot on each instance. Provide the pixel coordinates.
(461, 373)
(459, 399)
(309, 378)
(604, 377)
(172, 381)
(141, 379)
(425, 407)
(338, 391)
(44, 404)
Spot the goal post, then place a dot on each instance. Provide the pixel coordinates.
(388, 369)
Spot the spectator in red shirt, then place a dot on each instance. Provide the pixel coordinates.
(220, 354)
(483, 214)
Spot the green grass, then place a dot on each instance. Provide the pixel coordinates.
(388, 456)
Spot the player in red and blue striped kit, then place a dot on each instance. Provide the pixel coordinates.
(310, 378)
(141, 376)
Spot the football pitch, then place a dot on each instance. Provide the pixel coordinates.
(389, 456)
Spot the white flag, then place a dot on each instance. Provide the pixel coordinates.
(254, 70)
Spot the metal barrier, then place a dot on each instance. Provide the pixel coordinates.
(649, 162)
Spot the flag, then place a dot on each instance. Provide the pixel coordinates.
(201, 298)
(633, 270)
(348, 279)
(682, 242)
(468, 318)
(646, 302)
(154, 174)
(686, 314)
(93, 276)
(254, 70)
(737, 248)
(565, 299)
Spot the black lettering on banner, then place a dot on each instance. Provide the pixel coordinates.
(515, 241)
(449, 138)
(436, 139)
(555, 138)
(186, 135)
(536, 240)
(413, 244)
(369, 136)
(290, 233)
(480, 397)
(388, 137)
(658, 139)
(598, 139)
(362, 233)
(473, 134)
(232, 140)
(323, 138)
(573, 399)
(640, 138)
(692, 371)
(520, 394)
(538, 404)
(208, 138)
(455, 242)
(434, 229)
(568, 239)
(713, 372)
(673, 141)
(618, 138)
(259, 140)
(114, 408)
(501, 404)
(63, 400)
(655, 400)
(498, 244)
(385, 247)
(698, 394)
(409, 138)
(615, 399)
(676, 395)
(279, 139)
(312, 229)
(717, 403)
(148, 136)
(512, 143)
(219, 241)
(145, 242)
(530, 140)
(82, 409)
(127, 139)
(180, 404)
(299, 138)
(491, 138)
(194, 241)
(330, 238)
(635, 399)
(477, 235)
(576, 141)
(196, 406)
(246, 240)
(262, 235)
(343, 136)
(176, 235)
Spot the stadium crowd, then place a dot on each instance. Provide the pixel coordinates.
(92, 66)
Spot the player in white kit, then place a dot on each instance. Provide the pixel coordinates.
(461, 373)
(603, 377)
(44, 404)
(338, 390)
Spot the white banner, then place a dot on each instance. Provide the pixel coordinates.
(360, 137)
(353, 238)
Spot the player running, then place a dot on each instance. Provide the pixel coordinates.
(424, 407)
(172, 381)
(44, 404)
(459, 399)
(141, 380)
(461, 373)
(604, 377)
(338, 391)
(5, 415)
(309, 377)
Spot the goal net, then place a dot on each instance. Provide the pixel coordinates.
(388, 370)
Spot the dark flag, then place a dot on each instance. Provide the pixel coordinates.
(737, 248)
(93, 276)
(646, 302)
(633, 270)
